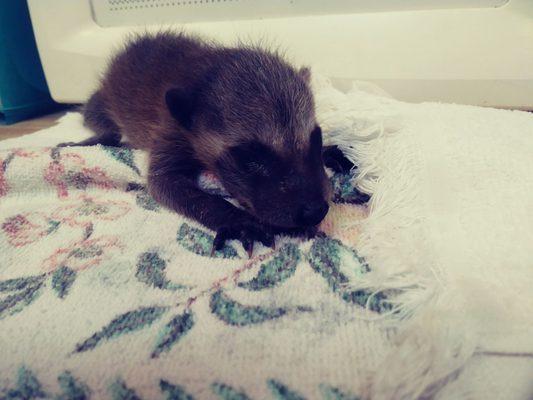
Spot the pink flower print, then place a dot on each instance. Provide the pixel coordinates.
(73, 158)
(83, 254)
(97, 177)
(210, 183)
(210, 178)
(3, 181)
(341, 222)
(71, 171)
(26, 153)
(54, 175)
(5, 162)
(24, 229)
(89, 210)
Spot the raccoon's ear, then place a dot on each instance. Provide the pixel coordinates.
(315, 142)
(181, 106)
(305, 73)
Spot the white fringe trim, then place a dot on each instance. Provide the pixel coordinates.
(429, 349)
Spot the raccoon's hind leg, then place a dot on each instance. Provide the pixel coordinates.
(95, 116)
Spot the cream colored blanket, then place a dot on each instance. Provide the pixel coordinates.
(104, 294)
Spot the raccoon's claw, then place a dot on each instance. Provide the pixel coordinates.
(306, 232)
(248, 246)
(335, 159)
(247, 234)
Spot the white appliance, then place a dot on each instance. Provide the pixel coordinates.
(463, 51)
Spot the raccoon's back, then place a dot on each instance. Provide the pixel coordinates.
(137, 78)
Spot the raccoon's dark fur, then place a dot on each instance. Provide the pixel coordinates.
(243, 113)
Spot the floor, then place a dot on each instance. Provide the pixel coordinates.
(29, 126)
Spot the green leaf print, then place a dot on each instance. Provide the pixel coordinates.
(143, 198)
(28, 387)
(7, 160)
(146, 201)
(71, 388)
(89, 230)
(201, 243)
(226, 392)
(234, 313)
(87, 252)
(52, 226)
(276, 270)
(90, 208)
(344, 191)
(124, 155)
(62, 280)
(325, 258)
(119, 391)
(27, 290)
(332, 393)
(282, 392)
(174, 392)
(151, 271)
(173, 332)
(11, 285)
(128, 322)
(77, 179)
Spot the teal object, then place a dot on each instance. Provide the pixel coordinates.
(23, 89)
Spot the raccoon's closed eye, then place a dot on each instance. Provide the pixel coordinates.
(257, 168)
(254, 158)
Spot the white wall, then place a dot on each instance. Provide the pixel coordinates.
(466, 55)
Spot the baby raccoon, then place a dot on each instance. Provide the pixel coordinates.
(243, 113)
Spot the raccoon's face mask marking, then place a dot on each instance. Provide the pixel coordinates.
(284, 190)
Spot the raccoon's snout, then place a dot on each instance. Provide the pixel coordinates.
(312, 214)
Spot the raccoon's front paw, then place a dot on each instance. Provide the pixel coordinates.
(335, 159)
(246, 233)
(67, 144)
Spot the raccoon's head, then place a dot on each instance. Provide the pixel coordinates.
(284, 189)
(252, 121)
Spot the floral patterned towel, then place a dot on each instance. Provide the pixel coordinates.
(104, 294)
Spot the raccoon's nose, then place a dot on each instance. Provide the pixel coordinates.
(311, 214)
